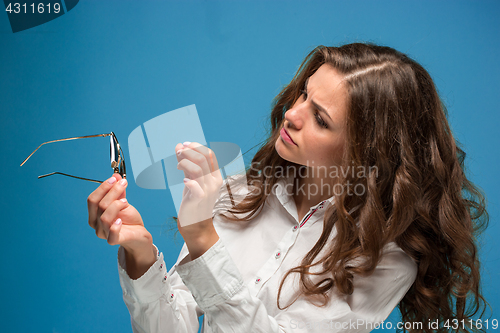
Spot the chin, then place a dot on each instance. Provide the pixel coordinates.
(282, 151)
(278, 146)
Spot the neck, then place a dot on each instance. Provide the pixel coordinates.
(313, 189)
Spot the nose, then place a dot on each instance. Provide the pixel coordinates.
(294, 117)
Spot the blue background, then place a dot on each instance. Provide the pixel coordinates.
(112, 65)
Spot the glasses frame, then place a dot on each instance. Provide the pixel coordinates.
(117, 164)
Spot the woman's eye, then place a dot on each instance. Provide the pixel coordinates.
(320, 121)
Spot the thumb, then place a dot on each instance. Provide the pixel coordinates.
(114, 232)
(194, 187)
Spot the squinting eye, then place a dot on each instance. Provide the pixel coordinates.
(320, 121)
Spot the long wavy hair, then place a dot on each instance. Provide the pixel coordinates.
(417, 193)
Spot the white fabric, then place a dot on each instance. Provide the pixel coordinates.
(235, 283)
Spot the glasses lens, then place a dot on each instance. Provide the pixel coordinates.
(122, 168)
(114, 154)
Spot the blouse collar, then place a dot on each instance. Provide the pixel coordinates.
(284, 193)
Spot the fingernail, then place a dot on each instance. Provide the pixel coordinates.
(118, 221)
(112, 180)
(123, 200)
(187, 143)
(179, 152)
(186, 180)
(123, 182)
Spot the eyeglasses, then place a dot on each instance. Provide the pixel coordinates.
(116, 155)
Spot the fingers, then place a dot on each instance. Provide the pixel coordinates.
(108, 206)
(110, 216)
(195, 188)
(193, 162)
(116, 192)
(196, 160)
(191, 171)
(95, 197)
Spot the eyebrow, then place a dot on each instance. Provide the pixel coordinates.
(317, 106)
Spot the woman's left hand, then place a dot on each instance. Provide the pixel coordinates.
(202, 184)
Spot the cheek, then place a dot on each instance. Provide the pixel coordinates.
(338, 150)
(330, 153)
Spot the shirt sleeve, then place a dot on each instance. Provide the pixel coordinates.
(159, 301)
(220, 292)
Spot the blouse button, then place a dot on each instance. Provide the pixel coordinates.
(165, 278)
(161, 266)
(257, 280)
(278, 254)
(171, 295)
(295, 228)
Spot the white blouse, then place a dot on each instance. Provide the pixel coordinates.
(235, 283)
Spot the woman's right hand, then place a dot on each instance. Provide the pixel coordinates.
(115, 220)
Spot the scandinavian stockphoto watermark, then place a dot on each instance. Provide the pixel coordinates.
(361, 324)
(326, 178)
(354, 325)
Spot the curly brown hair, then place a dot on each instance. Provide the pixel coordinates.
(417, 196)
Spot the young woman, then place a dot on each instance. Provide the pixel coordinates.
(357, 203)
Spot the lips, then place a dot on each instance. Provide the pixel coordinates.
(286, 136)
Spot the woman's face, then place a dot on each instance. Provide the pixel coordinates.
(316, 123)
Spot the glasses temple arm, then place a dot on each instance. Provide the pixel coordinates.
(67, 139)
(65, 174)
